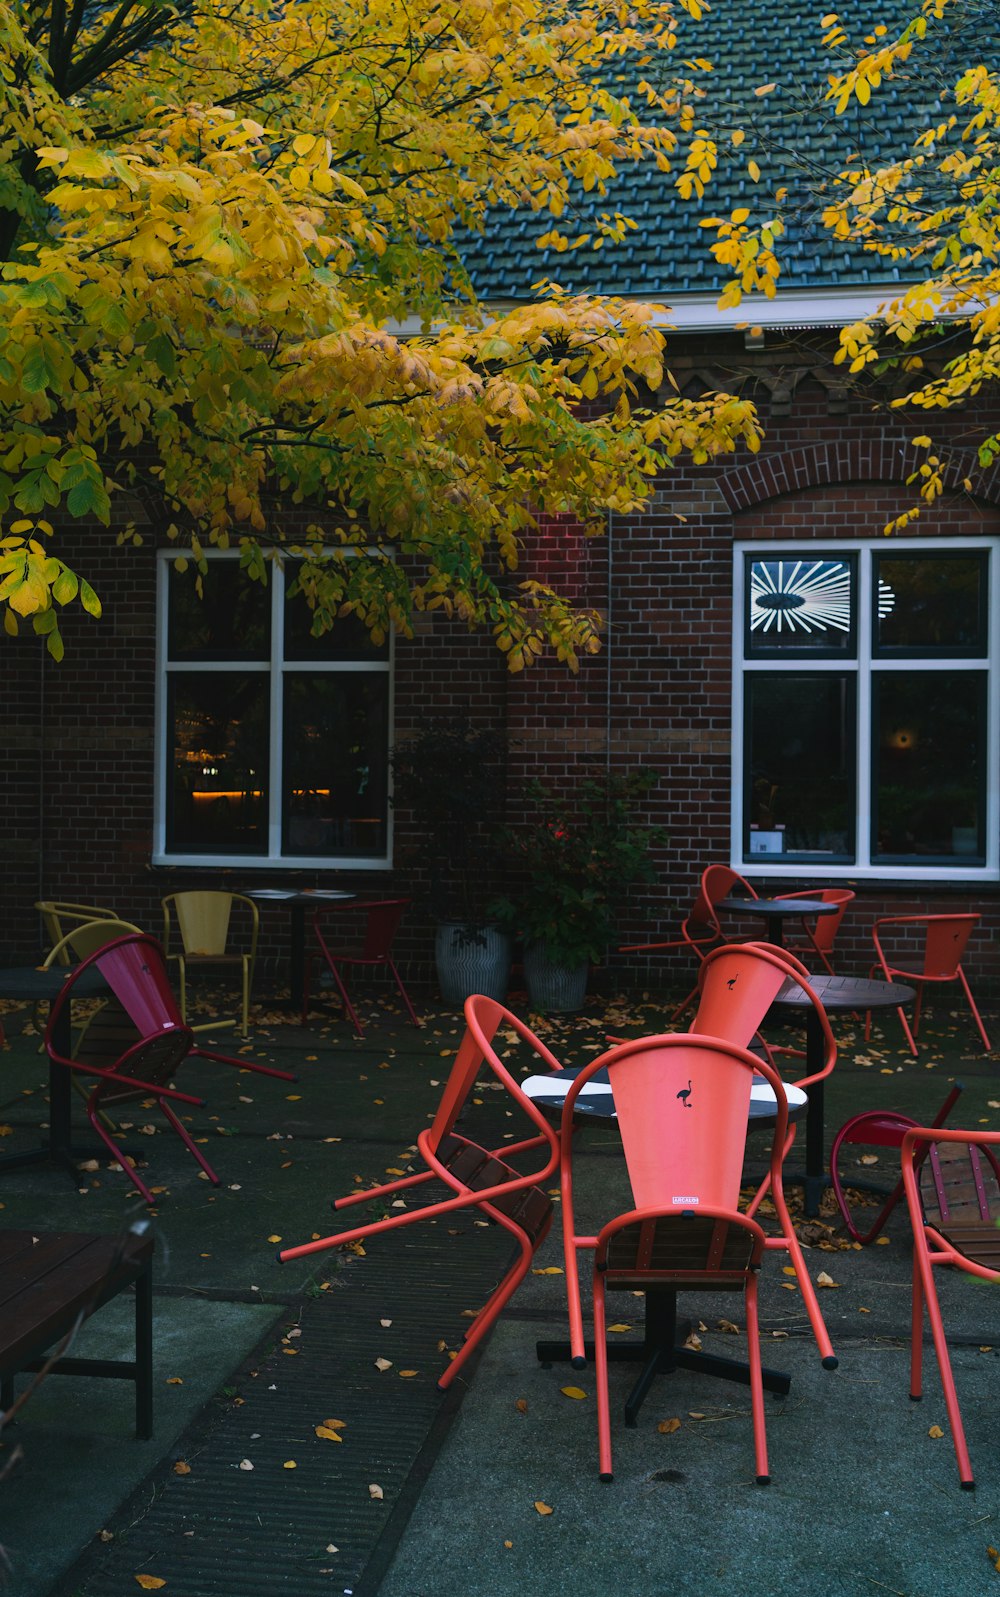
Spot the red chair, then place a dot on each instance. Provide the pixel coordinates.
(738, 983)
(944, 938)
(701, 930)
(136, 1043)
(682, 1104)
(819, 932)
(367, 942)
(952, 1184)
(479, 1177)
(877, 1128)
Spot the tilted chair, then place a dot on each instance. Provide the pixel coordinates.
(682, 1103)
(943, 939)
(59, 918)
(701, 930)
(952, 1184)
(819, 932)
(366, 941)
(876, 1128)
(479, 1178)
(206, 930)
(136, 1042)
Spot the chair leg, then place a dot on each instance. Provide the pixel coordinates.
(756, 1382)
(136, 1180)
(349, 1008)
(975, 1012)
(245, 1031)
(602, 1395)
(492, 1307)
(404, 995)
(189, 1143)
(923, 1264)
(789, 1241)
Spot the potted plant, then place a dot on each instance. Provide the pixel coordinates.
(449, 782)
(573, 860)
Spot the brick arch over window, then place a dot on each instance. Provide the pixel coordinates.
(870, 459)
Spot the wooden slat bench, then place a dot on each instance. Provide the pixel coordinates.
(48, 1279)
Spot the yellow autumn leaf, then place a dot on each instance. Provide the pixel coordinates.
(289, 1464)
(667, 1427)
(149, 1582)
(327, 1434)
(182, 1468)
(542, 1508)
(576, 1392)
(936, 1432)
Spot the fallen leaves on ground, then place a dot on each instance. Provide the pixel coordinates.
(667, 1427)
(542, 1508)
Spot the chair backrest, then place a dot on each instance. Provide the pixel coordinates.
(203, 919)
(59, 917)
(824, 928)
(738, 984)
(944, 938)
(369, 940)
(483, 1017)
(717, 882)
(959, 1182)
(81, 941)
(682, 1104)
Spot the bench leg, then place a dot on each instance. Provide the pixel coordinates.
(144, 1354)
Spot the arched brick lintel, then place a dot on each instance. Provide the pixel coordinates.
(871, 459)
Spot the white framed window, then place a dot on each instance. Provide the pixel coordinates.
(272, 746)
(866, 727)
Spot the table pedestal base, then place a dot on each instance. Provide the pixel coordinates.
(659, 1354)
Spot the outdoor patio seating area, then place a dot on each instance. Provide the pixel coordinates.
(300, 1439)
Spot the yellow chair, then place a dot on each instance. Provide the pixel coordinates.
(202, 921)
(60, 918)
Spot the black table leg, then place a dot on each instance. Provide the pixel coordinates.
(297, 954)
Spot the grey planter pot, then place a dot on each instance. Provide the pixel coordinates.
(553, 988)
(471, 959)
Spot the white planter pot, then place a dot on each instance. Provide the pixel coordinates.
(471, 959)
(554, 988)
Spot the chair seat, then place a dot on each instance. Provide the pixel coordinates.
(978, 1240)
(477, 1169)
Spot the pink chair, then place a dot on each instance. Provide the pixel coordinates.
(701, 930)
(820, 931)
(136, 1043)
(952, 1184)
(682, 1104)
(478, 1177)
(366, 942)
(943, 939)
(877, 1128)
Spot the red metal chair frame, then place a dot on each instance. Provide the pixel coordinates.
(375, 951)
(820, 934)
(686, 1231)
(701, 930)
(944, 944)
(136, 1043)
(479, 1178)
(878, 1128)
(944, 1233)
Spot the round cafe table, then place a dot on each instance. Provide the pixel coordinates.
(775, 911)
(296, 901)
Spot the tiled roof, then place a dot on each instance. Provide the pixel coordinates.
(790, 130)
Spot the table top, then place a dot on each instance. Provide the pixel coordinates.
(33, 981)
(777, 908)
(297, 895)
(549, 1092)
(845, 992)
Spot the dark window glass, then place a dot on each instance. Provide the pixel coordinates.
(797, 607)
(219, 735)
(931, 604)
(231, 622)
(929, 734)
(348, 638)
(335, 777)
(800, 764)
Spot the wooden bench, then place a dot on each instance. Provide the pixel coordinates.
(49, 1279)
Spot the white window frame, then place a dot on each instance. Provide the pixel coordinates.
(771, 865)
(275, 668)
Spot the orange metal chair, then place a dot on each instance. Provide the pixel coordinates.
(478, 1177)
(952, 1184)
(819, 933)
(682, 1104)
(700, 930)
(136, 1042)
(206, 928)
(738, 983)
(371, 946)
(939, 959)
(877, 1128)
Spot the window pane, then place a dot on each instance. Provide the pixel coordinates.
(348, 638)
(931, 604)
(929, 733)
(800, 606)
(219, 731)
(335, 763)
(231, 622)
(800, 766)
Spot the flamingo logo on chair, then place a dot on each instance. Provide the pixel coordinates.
(685, 1094)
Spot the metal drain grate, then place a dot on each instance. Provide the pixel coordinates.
(227, 1531)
